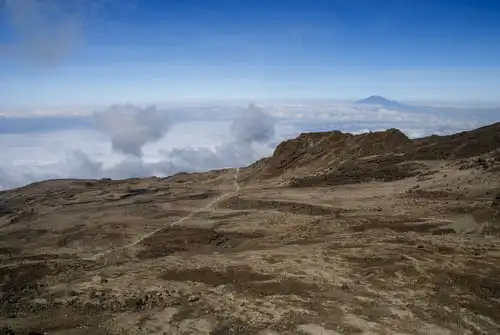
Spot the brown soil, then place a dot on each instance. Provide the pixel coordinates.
(236, 275)
(193, 240)
(237, 203)
(402, 236)
(362, 171)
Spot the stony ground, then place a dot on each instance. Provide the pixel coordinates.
(211, 254)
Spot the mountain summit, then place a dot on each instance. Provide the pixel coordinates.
(379, 100)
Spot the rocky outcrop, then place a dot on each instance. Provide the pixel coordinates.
(336, 156)
(320, 150)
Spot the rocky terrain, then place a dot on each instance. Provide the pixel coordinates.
(334, 234)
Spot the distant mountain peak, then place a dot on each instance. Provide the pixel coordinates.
(377, 100)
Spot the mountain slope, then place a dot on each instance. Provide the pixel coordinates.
(370, 156)
(461, 145)
(335, 233)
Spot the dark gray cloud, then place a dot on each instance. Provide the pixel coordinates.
(253, 125)
(131, 127)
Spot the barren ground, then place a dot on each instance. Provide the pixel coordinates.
(210, 254)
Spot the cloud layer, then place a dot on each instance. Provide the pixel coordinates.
(131, 141)
(131, 128)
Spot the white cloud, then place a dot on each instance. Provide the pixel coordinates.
(254, 125)
(47, 31)
(355, 118)
(131, 127)
(168, 140)
(130, 141)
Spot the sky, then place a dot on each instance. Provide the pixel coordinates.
(98, 52)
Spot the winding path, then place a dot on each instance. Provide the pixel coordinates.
(190, 215)
(136, 242)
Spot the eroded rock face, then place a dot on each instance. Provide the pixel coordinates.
(325, 149)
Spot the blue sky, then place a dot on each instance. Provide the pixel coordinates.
(154, 51)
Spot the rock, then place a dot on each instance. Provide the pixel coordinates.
(193, 298)
(496, 200)
(40, 302)
(495, 205)
(5, 209)
(7, 331)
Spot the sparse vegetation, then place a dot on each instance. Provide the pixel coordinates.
(384, 241)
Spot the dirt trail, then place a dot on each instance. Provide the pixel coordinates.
(97, 256)
(190, 215)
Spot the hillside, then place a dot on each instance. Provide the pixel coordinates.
(386, 155)
(334, 233)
